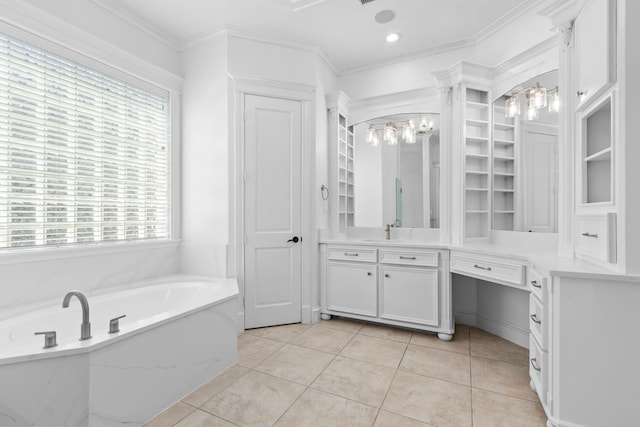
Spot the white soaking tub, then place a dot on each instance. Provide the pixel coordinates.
(174, 338)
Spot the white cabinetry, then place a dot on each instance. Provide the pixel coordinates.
(595, 47)
(477, 163)
(400, 286)
(539, 335)
(351, 287)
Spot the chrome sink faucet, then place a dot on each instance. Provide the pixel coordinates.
(85, 328)
(388, 231)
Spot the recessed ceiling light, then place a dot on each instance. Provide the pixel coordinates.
(385, 16)
(393, 37)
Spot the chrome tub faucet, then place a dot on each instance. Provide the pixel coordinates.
(85, 328)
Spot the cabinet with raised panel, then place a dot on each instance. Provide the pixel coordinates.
(401, 286)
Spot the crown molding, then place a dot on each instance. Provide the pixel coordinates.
(508, 18)
(136, 21)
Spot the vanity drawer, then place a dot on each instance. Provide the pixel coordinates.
(492, 269)
(537, 284)
(419, 257)
(597, 236)
(345, 253)
(538, 321)
(538, 369)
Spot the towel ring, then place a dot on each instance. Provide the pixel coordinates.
(324, 192)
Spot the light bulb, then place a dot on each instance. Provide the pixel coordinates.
(390, 134)
(554, 105)
(538, 97)
(512, 106)
(409, 132)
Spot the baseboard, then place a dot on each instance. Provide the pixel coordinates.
(503, 329)
(240, 321)
(310, 315)
(466, 318)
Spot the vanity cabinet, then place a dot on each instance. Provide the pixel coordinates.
(401, 286)
(539, 334)
(351, 281)
(595, 49)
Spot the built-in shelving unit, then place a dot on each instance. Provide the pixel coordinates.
(477, 166)
(597, 153)
(346, 151)
(503, 169)
(342, 166)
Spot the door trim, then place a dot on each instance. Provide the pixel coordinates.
(306, 95)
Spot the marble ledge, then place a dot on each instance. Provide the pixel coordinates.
(547, 260)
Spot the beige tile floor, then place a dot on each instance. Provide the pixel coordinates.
(347, 373)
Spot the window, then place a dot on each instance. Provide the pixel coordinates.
(84, 157)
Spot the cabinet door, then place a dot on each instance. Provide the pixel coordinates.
(409, 295)
(595, 48)
(351, 288)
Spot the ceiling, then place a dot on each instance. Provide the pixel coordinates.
(345, 31)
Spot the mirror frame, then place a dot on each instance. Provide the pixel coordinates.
(420, 100)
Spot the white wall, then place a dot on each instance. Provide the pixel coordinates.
(205, 158)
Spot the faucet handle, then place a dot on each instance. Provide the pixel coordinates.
(49, 338)
(114, 324)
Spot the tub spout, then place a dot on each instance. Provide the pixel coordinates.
(85, 328)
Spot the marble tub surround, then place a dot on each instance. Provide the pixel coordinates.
(284, 377)
(128, 377)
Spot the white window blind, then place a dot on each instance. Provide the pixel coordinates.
(84, 157)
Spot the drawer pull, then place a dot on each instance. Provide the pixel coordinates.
(350, 254)
(534, 283)
(369, 273)
(386, 275)
(534, 364)
(595, 236)
(534, 317)
(481, 267)
(407, 257)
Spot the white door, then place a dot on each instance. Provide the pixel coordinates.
(540, 168)
(272, 211)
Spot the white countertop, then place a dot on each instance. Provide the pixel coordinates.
(544, 260)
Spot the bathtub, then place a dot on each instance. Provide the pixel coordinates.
(175, 337)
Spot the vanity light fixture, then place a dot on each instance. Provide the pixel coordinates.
(409, 132)
(554, 104)
(425, 126)
(391, 133)
(536, 100)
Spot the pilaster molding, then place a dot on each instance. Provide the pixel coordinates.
(566, 34)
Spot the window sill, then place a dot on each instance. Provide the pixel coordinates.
(28, 255)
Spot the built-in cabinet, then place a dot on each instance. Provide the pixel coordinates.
(477, 167)
(504, 169)
(539, 334)
(401, 286)
(595, 49)
(595, 121)
(342, 164)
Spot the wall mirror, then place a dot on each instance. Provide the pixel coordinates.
(525, 157)
(397, 171)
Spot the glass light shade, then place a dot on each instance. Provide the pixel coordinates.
(425, 126)
(554, 104)
(538, 97)
(390, 134)
(372, 136)
(409, 132)
(512, 106)
(532, 113)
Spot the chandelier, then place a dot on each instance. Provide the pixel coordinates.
(388, 132)
(537, 99)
